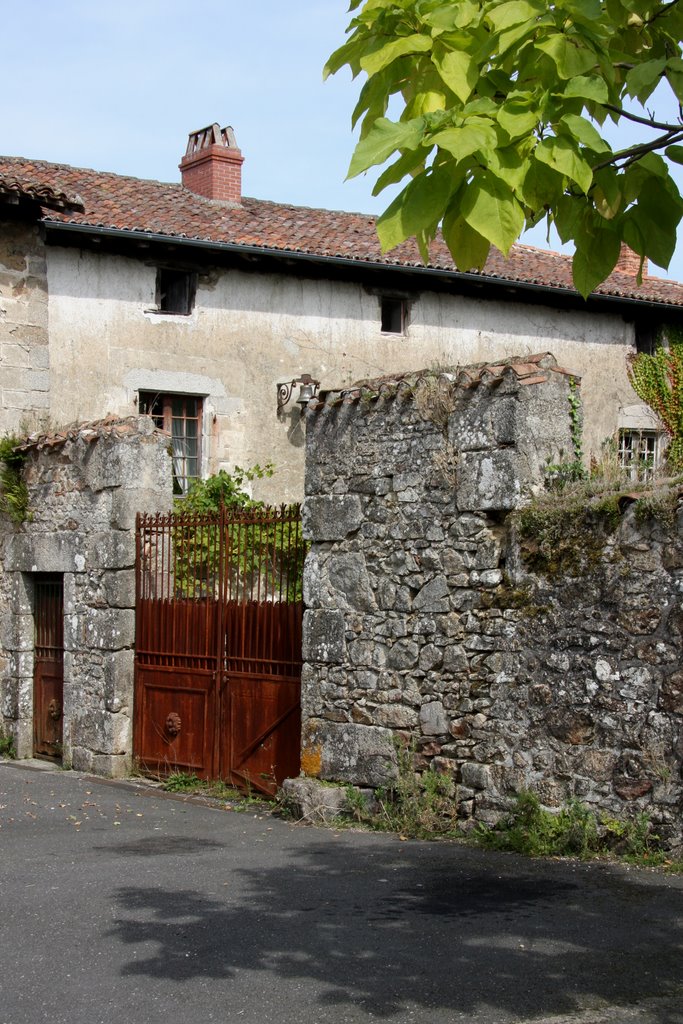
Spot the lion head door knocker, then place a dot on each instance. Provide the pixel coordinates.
(54, 709)
(173, 723)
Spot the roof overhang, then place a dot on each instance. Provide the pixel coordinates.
(419, 278)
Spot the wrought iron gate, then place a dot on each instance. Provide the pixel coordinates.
(48, 664)
(218, 645)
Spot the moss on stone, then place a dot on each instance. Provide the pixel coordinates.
(566, 536)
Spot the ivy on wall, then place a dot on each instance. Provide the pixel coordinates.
(658, 380)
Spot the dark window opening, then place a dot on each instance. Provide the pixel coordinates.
(181, 417)
(176, 291)
(647, 336)
(393, 315)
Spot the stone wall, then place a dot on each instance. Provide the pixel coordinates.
(85, 487)
(426, 621)
(24, 353)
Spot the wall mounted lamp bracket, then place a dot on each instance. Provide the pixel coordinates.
(308, 388)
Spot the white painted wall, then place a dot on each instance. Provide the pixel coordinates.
(250, 330)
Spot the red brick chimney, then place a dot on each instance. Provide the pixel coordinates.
(629, 262)
(212, 165)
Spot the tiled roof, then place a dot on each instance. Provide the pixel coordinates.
(527, 370)
(121, 427)
(39, 192)
(135, 204)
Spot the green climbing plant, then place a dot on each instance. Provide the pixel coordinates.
(223, 488)
(658, 380)
(13, 489)
(261, 544)
(560, 474)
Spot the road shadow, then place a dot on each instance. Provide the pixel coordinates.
(386, 926)
(159, 846)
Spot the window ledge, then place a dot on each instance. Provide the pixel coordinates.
(166, 313)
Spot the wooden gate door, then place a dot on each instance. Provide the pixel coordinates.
(48, 665)
(176, 646)
(218, 645)
(263, 610)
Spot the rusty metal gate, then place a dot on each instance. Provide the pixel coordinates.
(218, 645)
(48, 664)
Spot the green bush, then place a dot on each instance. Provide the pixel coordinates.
(7, 748)
(573, 831)
(13, 490)
(417, 805)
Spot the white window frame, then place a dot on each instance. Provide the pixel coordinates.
(640, 452)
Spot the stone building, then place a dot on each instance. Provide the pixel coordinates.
(194, 302)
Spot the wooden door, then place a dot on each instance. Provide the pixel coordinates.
(48, 669)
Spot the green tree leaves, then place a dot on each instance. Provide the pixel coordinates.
(496, 112)
(383, 139)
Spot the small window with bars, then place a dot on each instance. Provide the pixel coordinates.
(181, 417)
(639, 453)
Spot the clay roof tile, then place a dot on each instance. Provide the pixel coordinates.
(124, 203)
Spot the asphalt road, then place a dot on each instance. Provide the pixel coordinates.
(121, 903)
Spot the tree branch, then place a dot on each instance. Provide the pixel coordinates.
(650, 122)
(665, 8)
(635, 152)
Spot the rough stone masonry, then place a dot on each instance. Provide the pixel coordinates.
(425, 621)
(85, 485)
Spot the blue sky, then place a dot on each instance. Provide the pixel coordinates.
(118, 87)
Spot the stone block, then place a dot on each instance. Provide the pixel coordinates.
(112, 464)
(571, 726)
(433, 596)
(323, 636)
(127, 502)
(403, 655)
(348, 584)
(504, 420)
(113, 766)
(19, 593)
(23, 738)
(14, 355)
(118, 680)
(433, 719)
(119, 588)
(671, 693)
(331, 516)
(101, 629)
(469, 426)
(396, 716)
(9, 688)
(361, 754)
(111, 550)
(97, 731)
(20, 664)
(368, 653)
(313, 801)
(17, 632)
(490, 481)
(49, 552)
(431, 658)
(475, 776)
(455, 659)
